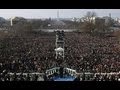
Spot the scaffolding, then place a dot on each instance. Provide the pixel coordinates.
(59, 44)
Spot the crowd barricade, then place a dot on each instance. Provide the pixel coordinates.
(67, 70)
(40, 75)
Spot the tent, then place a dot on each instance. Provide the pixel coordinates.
(59, 49)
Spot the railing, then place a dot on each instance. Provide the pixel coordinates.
(70, 71)
(52, 71)
(112, 73)
(56, 70)
(36, 73)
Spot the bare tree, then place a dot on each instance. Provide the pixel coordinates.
(89, 17)
(88, 20)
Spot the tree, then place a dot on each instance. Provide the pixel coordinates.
(88, 21)
(100, 25)
(89, 17)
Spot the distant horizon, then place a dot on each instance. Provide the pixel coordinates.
(52, 13)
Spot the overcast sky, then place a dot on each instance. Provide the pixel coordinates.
(63, 13)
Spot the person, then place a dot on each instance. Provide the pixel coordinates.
(36, 77)
(15, 77)
(61, 72)
(83, 76)
(28, 77)
(45, 77)
(21, 77)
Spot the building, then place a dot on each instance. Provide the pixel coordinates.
(108, 20)
(99, 21)
(88, 19)
(117, 20)
(57, 24)
(16, 20)
(2, 20)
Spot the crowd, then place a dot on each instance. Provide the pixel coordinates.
(98, 77)
(21, 76)
(92, 53)
(35, 53)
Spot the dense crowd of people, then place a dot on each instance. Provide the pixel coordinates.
(36, 53)
(21, 77)
(94, 53)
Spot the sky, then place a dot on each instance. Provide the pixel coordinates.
(52, 13)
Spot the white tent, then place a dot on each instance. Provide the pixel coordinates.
(59, 49)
